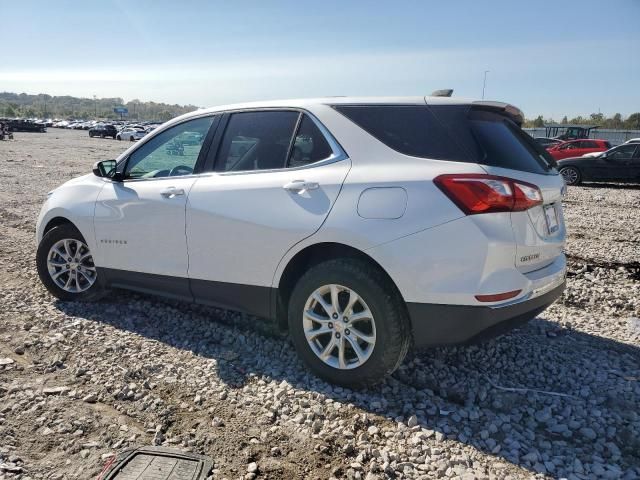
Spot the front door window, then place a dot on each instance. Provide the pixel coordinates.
(173, 152)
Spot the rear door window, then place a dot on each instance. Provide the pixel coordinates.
(309, 145)
(256, 141)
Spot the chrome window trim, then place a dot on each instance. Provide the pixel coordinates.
(338, 154)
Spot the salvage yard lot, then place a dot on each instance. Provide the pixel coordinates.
(559, 397)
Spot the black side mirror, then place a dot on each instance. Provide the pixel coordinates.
(105, 168)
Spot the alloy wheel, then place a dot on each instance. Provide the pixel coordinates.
(570, 175)
(339, 327)
(71, 266)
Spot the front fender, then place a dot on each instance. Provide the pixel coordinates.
(73, 201)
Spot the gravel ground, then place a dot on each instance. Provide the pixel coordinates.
(557, 398)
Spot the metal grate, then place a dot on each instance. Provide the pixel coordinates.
(156, 463)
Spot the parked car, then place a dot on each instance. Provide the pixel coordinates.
(547, 142)
(130, 134)
(17, 125)
(633, 140)
(619, 164)
(575, 148)
(359, 224)
(103, 131)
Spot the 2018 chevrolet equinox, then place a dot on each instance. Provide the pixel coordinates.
(366, 225)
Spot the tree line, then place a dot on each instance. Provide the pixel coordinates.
(46, 106)
(23, 105)
(617, 121)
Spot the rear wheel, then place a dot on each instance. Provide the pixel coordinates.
(131, 138)
(571, 175)
(348, 322)
(65, 265)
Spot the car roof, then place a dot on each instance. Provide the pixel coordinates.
(338, 100)
(304, 103)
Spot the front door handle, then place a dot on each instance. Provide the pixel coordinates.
(172, 192)
(300, 186)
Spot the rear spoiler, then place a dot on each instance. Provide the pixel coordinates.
(514, 113)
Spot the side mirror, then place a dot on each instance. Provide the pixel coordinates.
(105, 168)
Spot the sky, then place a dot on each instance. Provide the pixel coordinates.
(550, 58)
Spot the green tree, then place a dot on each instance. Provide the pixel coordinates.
(565, 120)
(9, 111)
(633, 121)
(538, 122)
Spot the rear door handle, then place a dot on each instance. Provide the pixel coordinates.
(300, 186)
(172, 192)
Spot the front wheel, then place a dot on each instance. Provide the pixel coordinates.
(348, 322)
(65, 265)
(571, 175)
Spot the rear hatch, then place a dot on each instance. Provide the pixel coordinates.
(490, 133)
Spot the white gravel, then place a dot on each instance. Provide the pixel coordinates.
(557, 398)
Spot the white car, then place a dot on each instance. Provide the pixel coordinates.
(130, 134)
(365, 226)
(633, 140)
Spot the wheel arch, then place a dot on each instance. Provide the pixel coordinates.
(308, 257)
(56, 222)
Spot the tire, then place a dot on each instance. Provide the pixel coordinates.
(90, 135)
(390, 332)
(87, 291)
(114, 137)
(571, 175)
(131, 138)
(102, 135)
(118, 137)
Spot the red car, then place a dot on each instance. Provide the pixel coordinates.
(577, 148)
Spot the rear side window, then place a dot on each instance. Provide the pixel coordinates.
(408, 129)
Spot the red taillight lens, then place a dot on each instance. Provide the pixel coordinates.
(478, 193)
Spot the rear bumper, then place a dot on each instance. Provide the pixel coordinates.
(435, 324)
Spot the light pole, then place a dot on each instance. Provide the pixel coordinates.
(484, 83)
(95, 108)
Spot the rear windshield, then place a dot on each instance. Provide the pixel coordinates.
(451, 132)
(503, 144)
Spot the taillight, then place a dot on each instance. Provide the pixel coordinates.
(477, 193)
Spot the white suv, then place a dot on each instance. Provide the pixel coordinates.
(364, 225)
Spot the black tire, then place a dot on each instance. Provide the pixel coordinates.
(90, 134)
(131, 138)
(571, 175)
(114, 137)
(118, 137)
(65, 231)
(393, 332)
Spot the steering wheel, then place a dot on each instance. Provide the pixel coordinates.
(180, 170)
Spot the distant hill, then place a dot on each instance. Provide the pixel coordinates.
(47, 106)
